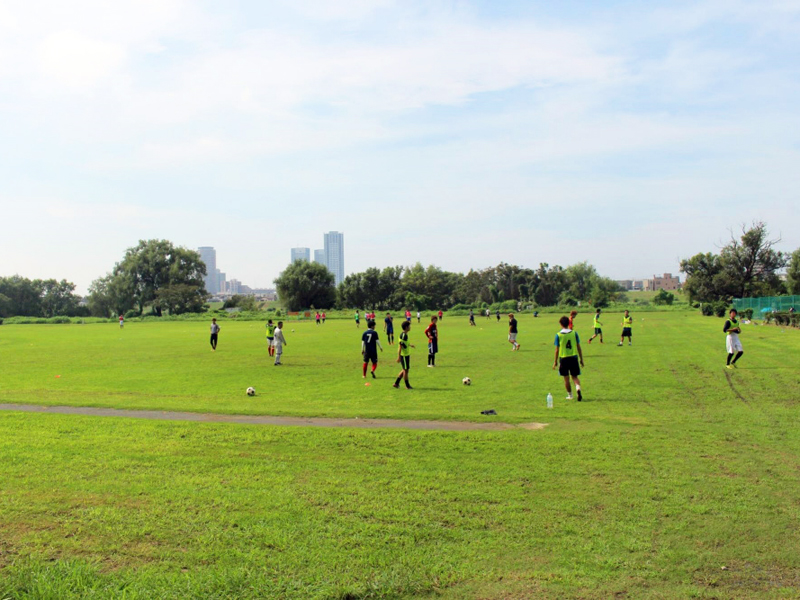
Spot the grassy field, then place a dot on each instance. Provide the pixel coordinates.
(675, 478)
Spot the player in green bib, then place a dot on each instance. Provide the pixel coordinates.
(598, 327)
(627, 325)
(404, 355)
(271, 337)
(568, 353)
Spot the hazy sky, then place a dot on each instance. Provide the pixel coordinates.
(462, 134)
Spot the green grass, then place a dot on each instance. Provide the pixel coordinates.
(671, 470)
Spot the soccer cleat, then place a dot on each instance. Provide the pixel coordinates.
(396, 385)
(408, 387)
(373, 375)
(729, 367)
(733, 364)
(580, 396)
(630, 343)
(569, 397)
(620, 344)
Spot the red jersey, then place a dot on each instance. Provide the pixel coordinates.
(431, 331)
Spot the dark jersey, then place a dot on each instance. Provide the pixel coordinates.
(370, 339)
(512, 326)
(389, 324)
(432, 332)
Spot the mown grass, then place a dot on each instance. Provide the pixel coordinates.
(671, 470)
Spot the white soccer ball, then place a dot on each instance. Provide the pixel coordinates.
(251, 391)
(466, 381)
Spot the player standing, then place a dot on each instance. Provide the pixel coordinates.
(732, 342)
(214, 334)
(627, 324)
(369, 349)
(358, 320)
(572, 316)
(598, 327)
(404, 355)
(271, 337)
(432, 333)
(121, 321)
(498, 315)
(323, 317)
(280, 342)
(388, 327)
(317, 316)
(512, 332)
(441, 315)
(568, 351)
(471, 318)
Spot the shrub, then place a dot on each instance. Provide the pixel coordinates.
(720, 308)
(131, 314)
(707, 309)
(747, 313)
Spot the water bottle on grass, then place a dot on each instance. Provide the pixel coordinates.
(549, 400)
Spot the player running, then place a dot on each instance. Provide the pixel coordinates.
(572, 316)
(732, 342)
(388, 327)
(627, 324)
(404, 355)
(432, 333)
(568, 352)
(280, 342)
(512, 332)
(318, 317)
(369, 349)
(498, 315)
(598, 327)
(271, 338)
(471, 318)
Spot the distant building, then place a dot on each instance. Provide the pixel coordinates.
(234, 287)
(221, 283)
(625, 284)
(334, 254)
(667, 282)
(319, 257)
(299, 254)
(209, 256)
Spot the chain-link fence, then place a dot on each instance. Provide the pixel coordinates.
(772, 303)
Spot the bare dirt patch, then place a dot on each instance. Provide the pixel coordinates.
(159, 415)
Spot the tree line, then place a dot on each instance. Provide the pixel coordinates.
(747, 266)
(20, 296)
(304, 285)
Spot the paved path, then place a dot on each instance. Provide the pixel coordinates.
(267, 420)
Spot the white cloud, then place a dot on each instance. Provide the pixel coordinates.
(76, 60)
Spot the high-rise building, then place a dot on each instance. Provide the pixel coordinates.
(319, 257)
(209, 256)
(301, 254)
(221, 282)
(334, 254)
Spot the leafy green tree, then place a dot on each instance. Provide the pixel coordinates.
(246, 302)
(350, 293)
(58, 298)
(153, 264)
(793, 274)
(549, 284)
(705, 280)
(663, 297)
(751, 263)
(180, 298)
(24, 296)
(304, 284)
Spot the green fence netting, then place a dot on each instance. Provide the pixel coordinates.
(771, 303)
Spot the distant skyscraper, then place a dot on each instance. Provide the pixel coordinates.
(209, 256)
(334, 254)
(221, 283)
(301, 254)
(319, 257)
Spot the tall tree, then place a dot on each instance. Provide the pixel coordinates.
(793, 274)
(751, 263)
(303, 285)
(58, 298)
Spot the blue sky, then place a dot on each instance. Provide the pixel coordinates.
(455, 133)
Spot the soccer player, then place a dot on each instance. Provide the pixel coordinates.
(441, 315)
(568, 352)
(471, 318)
(627, 324)
(498, 315)
(280, 342)
(732, 342)
(271, 338)
(121, 321)
(317, 316)
(404, 355)
(512, 332)
(418, 316)
(323, 317)
(598, 327)
(358, 319)
(432, 333)
(572, 316)
(388, 327)
(408, 315)
(214, 334)
(369, 348)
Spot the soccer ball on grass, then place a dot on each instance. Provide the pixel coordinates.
(466, 381)
(251, 391)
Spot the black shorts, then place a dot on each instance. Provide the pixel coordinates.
(569, 366)
(371, 356)
(626, 332)
(598, 331)
(405, 362)
(390, 331)
(433, 347)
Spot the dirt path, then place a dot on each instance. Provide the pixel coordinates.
(267, 420)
